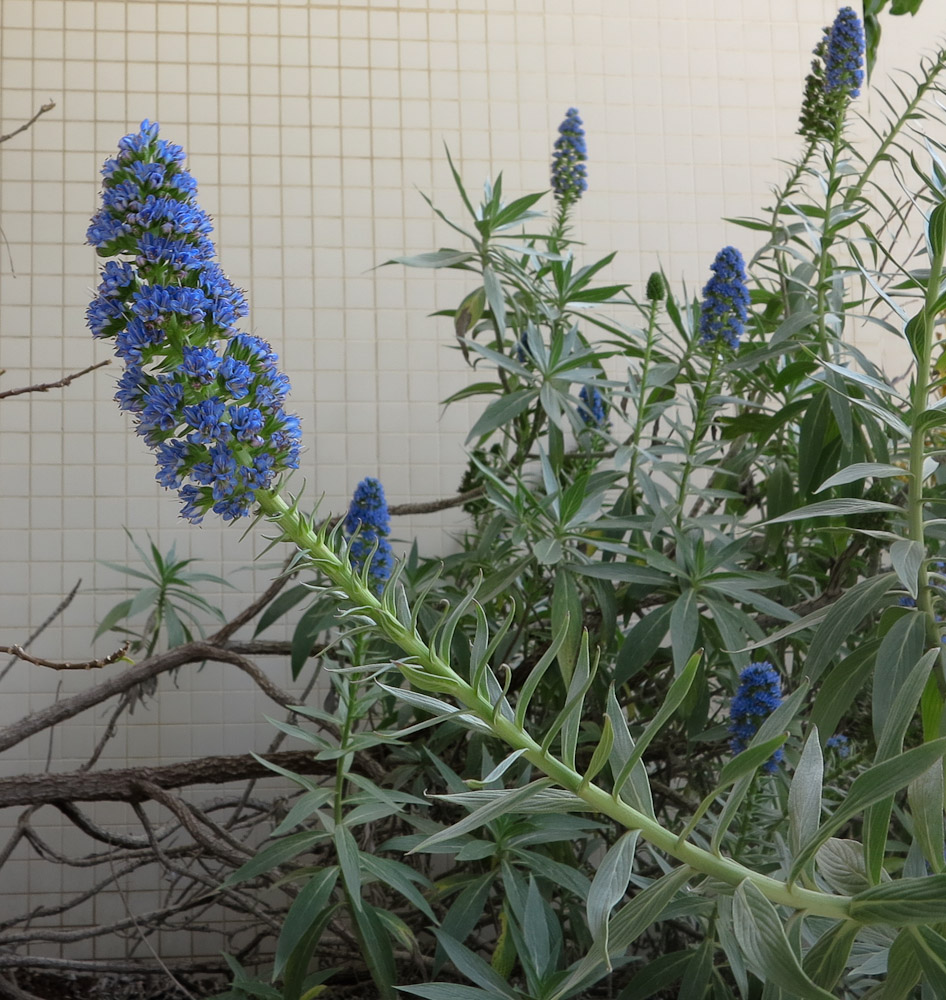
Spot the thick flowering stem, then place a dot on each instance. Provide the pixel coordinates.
(922, 344)
(426, 670)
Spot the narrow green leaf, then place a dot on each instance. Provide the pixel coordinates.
(684, 627)
(903, 968)
(284, 602)
(858, 471)
(641, 643)
(274, 855)
(567, 615)
(624, 928)
(401, 878)
(635, 790)
(907, 557)
(826, 960)
(930, 950)
(871, 786)
(376, 949)
(842, 620)
(841, 507)
(609, 886)
(114, 616)
(902, 901)
(602, 752)
(925, 795)
(348, 861)
(470, 964)
(496, 298)
(658, 974)
(501, 411)
(804, 795)
(435, 258)
(504, 803)
(671, 702)
(305, 910)
(761, 934)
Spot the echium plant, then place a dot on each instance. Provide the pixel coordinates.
(632, 576)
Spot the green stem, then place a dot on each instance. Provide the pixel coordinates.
(427, 671)
(824, 256)
(639, 421)
(699, 429)
(881, 155)
(923, 349)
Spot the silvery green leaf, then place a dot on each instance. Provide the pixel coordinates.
(872, 786)
(906, 558)
(609, 886)
(930, 950)
(761, 935)
(435, 258)
(902, 901)
(624, 928)
(841, 864)
(804, 796)
(861, 470)
(841, 507)
(925, 795)
(501, 802)
(549, 800)
(548, 551)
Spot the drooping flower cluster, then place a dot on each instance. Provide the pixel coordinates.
(593, 410)
(207, 398)
(368, 525)
(759, 695)
(725, 299)
(836, 76)
(569, 176)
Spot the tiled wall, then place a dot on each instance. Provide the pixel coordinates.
(313, 128)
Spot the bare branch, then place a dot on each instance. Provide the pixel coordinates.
(252, 610)
(48, 106)
(132, 784)
(190, 652)
(20, 653)
(57, 611)
(46, 386)
(432, 506)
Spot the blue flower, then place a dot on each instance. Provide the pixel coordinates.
(759, 695)
(171, 311)
(725, 307)
(835, 78)
(593, 412)
(569, 177)
(368, 524)
(840, 744)
(844, 59)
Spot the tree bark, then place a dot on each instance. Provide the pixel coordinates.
(128, 784)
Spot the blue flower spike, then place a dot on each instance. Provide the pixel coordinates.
(759, 695)
(844, 58)
(206, 398)
(592, 410)
(725, 307)
(368, 524)
(837, 72)
(569, 175)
